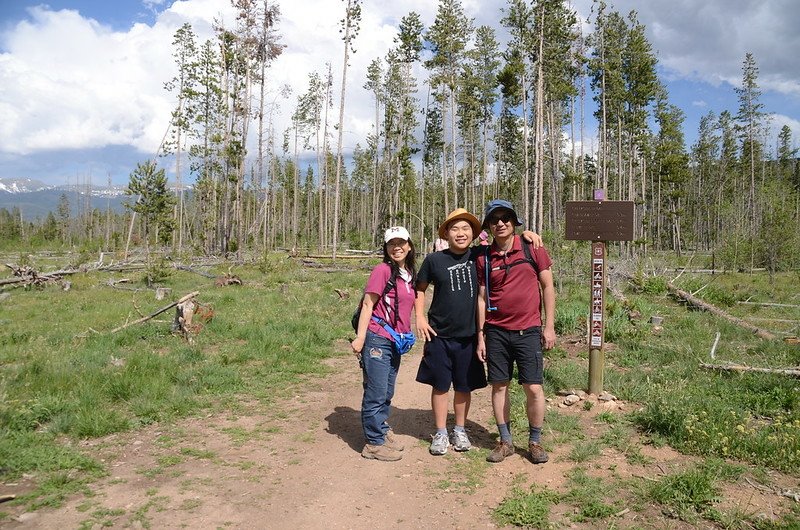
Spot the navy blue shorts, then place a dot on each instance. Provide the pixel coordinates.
(504, 348)
(451, 361)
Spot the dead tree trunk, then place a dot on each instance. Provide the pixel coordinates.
(764, 334)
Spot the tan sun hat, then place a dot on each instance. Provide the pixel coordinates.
(457, 215)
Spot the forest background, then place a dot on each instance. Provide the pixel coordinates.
(462, 114)
(565, 106)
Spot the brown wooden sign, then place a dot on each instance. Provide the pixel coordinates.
(599, 220)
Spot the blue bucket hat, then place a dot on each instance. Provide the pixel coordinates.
(497, 204)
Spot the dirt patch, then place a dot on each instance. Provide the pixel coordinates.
(296, 464)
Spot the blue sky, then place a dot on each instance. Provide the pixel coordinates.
(83, 80)
(117, 14)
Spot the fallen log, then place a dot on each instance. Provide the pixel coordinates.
(731, 367)
(190, 269)
(151, 315)
(338, 256)
(29, 276)
(33, 277)
(321, 267)
(794, 495)
(768, 304)
(764, 334)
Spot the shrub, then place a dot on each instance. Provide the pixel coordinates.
(530, 509)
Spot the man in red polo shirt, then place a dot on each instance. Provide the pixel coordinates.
(511, 327)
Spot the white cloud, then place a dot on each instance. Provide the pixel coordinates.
(708, 40)
(776, 123)
(71, 82)
(77, 84)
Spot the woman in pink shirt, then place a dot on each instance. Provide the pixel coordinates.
(382, 336)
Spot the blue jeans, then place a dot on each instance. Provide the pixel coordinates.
(380, 364)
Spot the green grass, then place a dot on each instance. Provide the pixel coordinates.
(465, 473)
(526, 508)
(583, 451)
(61, 382)
(202, 454)
(751, 417)
(687, 494)
(588, 496)
(63, 374)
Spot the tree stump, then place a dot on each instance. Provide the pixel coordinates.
(162, 292)
(184, 313)
(190, 317)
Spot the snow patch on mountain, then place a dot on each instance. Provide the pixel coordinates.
(22, 185)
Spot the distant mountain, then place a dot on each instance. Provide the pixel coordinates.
(21, 185)
(36, 199)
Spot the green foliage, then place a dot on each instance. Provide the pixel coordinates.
(705, 289)
(154, 200)
(59, 387)
(157, 272)
(710, 426)
(529, 509)
(85, 254)
(587, 495)
(754, 418)
(24, 451)
(583, 451)
(466, 474)
(687, 493)
(655, 285)
(570, 316)
(617, 324)
(778, 243)
(559, 427)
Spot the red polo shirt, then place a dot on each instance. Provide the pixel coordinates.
(514, 291)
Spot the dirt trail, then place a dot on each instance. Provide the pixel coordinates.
(297, 465)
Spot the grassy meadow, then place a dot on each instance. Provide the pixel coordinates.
(64, 378)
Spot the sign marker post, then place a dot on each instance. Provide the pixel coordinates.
(598, 221)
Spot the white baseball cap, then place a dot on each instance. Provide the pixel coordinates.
(395, 232)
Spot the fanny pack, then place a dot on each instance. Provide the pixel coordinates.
(402, 341)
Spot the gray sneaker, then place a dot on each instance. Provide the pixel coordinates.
(439, 444)
(460, 441)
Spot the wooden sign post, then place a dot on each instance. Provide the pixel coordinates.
(598, 221)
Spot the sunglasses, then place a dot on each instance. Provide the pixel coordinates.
(503, 218)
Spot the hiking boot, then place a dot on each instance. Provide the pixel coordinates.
(537, 454)
(500, 452)
(393, 442)
(439, 444)
(460, 441)
(380, 452)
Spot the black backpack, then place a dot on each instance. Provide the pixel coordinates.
(390, 284)
(488, 270)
